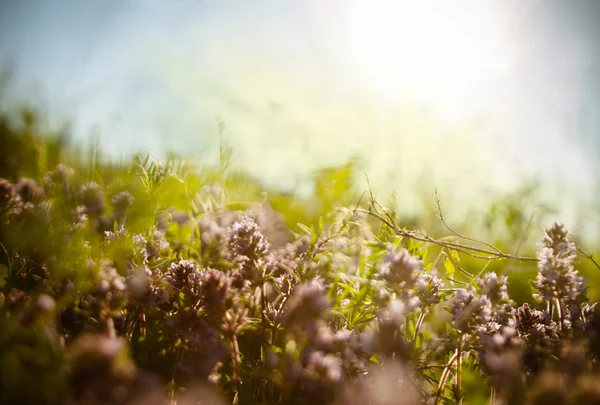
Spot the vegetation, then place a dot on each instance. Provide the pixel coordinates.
(148, 283)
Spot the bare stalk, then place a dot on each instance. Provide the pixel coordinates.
(419, 323)
(466, 249)
(445, 375)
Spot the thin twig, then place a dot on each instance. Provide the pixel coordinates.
(590, 257)
(468, 250)
(445, 374)
(419, 322)
(441, 217)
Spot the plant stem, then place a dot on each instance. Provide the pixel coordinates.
(458, 396)
(419, 323)
(445, 377)
(560, 313)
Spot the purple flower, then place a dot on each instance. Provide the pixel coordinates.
(557, 278)
(180, 273)
(247, 245)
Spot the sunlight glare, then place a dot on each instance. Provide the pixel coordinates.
(437, 52)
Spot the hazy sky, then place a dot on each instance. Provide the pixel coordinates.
(472, 95)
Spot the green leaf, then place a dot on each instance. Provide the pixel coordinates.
(305, 228)
(455, 256)
(450, 269)
(3, 275)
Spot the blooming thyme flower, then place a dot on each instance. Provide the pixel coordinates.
(141, 247)
(429, 287)
(271, 224)
(215, 294)
(501, 358)
(532, 322)
(29, 190)
(121, 202)
(556, 238)
(157, 245)
(99, 370)
(395, 313)
(471, 313)
(112, 236)
(59, 180)
(539, 333)
(307, 303)
(391, 341)
(180, 273)
(145, 286)
(322, 368)
(248, 246)
(7, 193)
(110, 280)
(399, 267)
(92, 198)
(556, 276)
(495, 288)
(82, 219)
(581, 314)
(212, 228)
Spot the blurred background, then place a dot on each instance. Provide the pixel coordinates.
(474, 99)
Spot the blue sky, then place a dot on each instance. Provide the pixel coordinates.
(405, 85)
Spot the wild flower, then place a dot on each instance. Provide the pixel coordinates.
(495, 287)
(214, 293)
(403, 274)
(180, 273)
(532, 322)
(391, 341)
(92, 198)
(99, 370)
(141, 247)
(502, 360)
(400, 268)
(113, 235)
(307, 303)
(213, 226)
(8, 193)
(556, 238)
(428, 288)
(29, 190)
(557, 278)
(157, 245)
(82, 219)
(471, 313)
(322, 369)
(238, 299)
(248, 247)
(540, 334)
(59, 180)
(121, 203)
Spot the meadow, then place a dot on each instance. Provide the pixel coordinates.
(177, 282)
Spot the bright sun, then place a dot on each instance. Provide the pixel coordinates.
(439, 52)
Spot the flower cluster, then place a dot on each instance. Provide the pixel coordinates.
(557, 278)
(109, 293)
